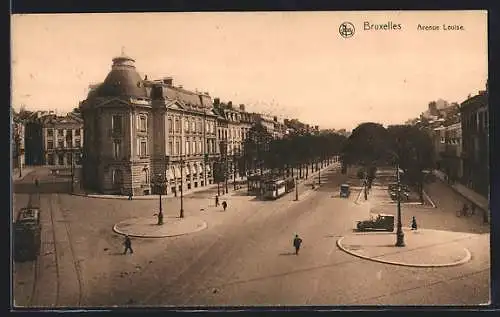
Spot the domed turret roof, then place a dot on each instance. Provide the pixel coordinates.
(122, 81)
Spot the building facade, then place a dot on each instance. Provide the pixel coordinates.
(17, 142)
(451, 156)
(62, 140)
(141, 133)
(475, 147)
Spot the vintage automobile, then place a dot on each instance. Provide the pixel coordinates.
(393, 191)
(381, 222)
(345, 190)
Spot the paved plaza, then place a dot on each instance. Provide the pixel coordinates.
(244, 256)
(426, 248)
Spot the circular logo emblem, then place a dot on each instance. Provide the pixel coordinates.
(346, 29)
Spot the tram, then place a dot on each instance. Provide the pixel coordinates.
(274, 189)
(27, 230)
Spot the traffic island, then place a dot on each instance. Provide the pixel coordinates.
(424, 248)
(147, 227)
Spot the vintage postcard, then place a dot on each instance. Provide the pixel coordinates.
(250, 159)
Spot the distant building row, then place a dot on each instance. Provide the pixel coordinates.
(47, 139)
(461, 140)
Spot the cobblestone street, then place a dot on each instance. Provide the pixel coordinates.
(244, 256)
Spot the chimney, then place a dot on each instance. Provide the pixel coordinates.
(216, 102)
(275, 118)
(230, 105)
(145, 77)
(242, 107)
(168, 81)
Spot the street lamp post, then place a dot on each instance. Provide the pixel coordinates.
(319, 176)
(160, 187)
(400, 237)
(181, 215)
(226, 174)
(72, 173)
(234, 170)
(296, 188)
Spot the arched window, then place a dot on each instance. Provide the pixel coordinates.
(116, 178)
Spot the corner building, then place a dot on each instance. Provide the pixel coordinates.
(138, 133)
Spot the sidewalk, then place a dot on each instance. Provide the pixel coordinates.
(379, 195)
(480, 201)
(25, 172)
(147, 227)
(199, 189)
(421, 250)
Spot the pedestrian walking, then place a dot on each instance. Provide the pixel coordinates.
(216, 200)
(413, 223)
(130, 196)
(128, 245)
(224, 205)
(36, 182)
(296, 244)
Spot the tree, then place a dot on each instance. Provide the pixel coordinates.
(367, 145)
(256, 146)
(413, 151)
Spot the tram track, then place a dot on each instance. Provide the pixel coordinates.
(56, 260)
(75, 261)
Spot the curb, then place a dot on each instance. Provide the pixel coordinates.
(460, 193)
(429, 199)
(359, 195)
(204, 226)
(466, 259)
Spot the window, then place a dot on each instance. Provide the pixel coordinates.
(77, 132)
(69, 158)
(116, 149)
(69, 134)
(60, 132)
(142, 123)
(78, 143)
(177, 147)
(60, 144)
(143, 148)
(50, 159)
(186, 126)
(170, 147)
(116, 123)
(170, 126)
(199, 147)
(50, 132)
(116, 177)
(193, 126)
(60, 160)
(193, 147)
(50, 145)
(177, 125)
(186, 148)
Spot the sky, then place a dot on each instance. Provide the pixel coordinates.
(290, 64)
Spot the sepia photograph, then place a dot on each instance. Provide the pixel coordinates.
(242, 159)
